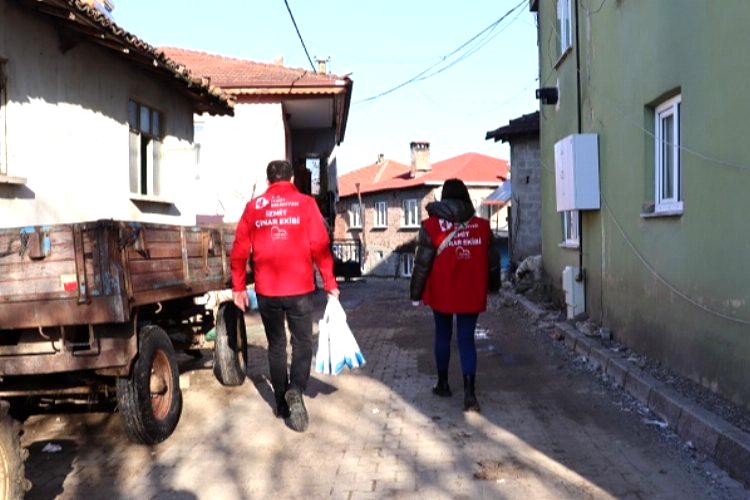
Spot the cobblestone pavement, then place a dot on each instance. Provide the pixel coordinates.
(545, 431)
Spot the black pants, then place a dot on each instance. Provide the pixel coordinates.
(297, 310)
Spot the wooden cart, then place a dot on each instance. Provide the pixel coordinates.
(106, 303)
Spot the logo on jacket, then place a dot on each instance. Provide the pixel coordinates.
(261, 203)
(279, 234)
(463, 253)
(445, 225)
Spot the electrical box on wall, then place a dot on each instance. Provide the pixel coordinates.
(574, 293)
(577, 172)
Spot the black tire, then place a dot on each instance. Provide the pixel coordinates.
(150, 400)
(230, 348)
(13, 482)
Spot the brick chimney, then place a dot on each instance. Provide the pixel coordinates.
(420, 158)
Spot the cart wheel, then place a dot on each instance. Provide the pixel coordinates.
(150, 399)
(13, 482)
(230, 349)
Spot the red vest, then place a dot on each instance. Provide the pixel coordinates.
(284, 234)
(458, 280)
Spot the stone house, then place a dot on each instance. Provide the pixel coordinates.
(394, 199)
(525, 231)
(663, 250)
(280, 113)
(94, 122)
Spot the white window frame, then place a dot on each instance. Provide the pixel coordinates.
(564, 20)
(571, 230)
(667, 109)
(355, 216)
(411, 213)
(407, 264)
(149, 136)
(381, 214)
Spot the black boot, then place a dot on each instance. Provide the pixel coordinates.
(442, 388)
(470, 399)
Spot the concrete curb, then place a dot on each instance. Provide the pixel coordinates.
(728, 445)
(709, 433)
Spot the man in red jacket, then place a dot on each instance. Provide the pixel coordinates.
(283, 233)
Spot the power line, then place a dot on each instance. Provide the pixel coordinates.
(424, 74)
(299, 35)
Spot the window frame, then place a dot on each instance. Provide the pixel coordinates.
(150, 143)
(407, 264)
(381, 222)
(355, 216)
(565, 23)
(406, 212)
(571, 229)
(672, 107)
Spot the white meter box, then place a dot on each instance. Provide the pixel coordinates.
(577, 172)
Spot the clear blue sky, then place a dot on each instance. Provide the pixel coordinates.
(382, 44)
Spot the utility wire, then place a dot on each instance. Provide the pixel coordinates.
(300, 36)
(424, 74)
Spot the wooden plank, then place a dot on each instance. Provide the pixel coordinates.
(32, 287)
(152, 281)
(157, 251)
(153, 235)
(154, 265)
(36, 270)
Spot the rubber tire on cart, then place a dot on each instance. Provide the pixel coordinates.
(13, 482)
(230, 348)
(150, 400)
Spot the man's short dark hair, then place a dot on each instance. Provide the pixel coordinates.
(455, 189)
(279, 170)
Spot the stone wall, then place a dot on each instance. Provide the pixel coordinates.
(526, 204)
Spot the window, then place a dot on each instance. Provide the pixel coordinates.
(407, 264)
(313, 166)
(145, 148)
(355, 216)
(667, 164)
(564, 25)
(570, 229)
(3, 106)
(381, 214)
(411, 213)
(198, 132)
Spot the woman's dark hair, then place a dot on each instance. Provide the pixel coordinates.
(455, 189)
(279, 170)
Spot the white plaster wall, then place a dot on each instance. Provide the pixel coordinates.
(67, 132)
(234, 153)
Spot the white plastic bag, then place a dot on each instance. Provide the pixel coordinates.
(343, 350)
(323, 356)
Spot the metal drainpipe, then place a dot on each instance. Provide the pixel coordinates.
(581, 275)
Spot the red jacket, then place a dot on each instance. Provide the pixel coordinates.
(458, 279)
(284, 234)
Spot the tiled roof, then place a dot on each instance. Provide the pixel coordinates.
(231, 73)
(390, 175)
(98, 28)
(526, 124)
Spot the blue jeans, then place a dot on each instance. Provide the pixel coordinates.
(466, 324)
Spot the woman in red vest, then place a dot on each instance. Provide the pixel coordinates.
(457, 262)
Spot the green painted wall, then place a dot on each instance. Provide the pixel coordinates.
(633, 54)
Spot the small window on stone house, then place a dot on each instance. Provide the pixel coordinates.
(411, 213)
(407, 264)
(355, 216)
(381, 214)
(145, 149)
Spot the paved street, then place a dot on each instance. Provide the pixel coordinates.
(546, 430)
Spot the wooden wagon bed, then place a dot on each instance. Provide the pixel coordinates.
(98, 272)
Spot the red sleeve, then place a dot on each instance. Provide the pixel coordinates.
(241, 251)
(320, 245)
